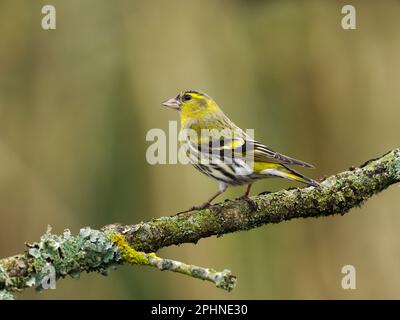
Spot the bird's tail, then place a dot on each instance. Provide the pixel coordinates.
(283, 171)
(291, 174)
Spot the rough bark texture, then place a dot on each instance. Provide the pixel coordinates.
(93, 250)
(337, 195)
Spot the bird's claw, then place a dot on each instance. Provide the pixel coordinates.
(252, 204)
(200, 207)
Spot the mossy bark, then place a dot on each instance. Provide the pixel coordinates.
(93, 250)
(336, 195)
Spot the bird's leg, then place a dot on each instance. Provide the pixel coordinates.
(222, 187)
(246, 194)
(245, 197)
(208, 202)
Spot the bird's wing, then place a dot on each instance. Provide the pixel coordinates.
(242, 146)
(218, 145)
(263, 153)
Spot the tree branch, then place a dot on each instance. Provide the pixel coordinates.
(93, 250)
(337, 195)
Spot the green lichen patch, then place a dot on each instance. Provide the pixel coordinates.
(90, 250)
(5, 295)
(225, 280)
(129, 254)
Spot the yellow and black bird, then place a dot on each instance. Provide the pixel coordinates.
(233, 157)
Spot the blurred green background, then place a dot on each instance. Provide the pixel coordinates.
(76, 104)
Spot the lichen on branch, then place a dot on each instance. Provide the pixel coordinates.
(224, 279)
(58, 256)
(99, 250)
(336, 195)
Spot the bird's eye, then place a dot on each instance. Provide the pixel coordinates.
(186, 97)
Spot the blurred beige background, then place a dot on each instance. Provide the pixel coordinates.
(76, 103)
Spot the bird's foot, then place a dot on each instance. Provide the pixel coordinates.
(200, 207)
(252, 204)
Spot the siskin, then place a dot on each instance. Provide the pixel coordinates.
(221, 150)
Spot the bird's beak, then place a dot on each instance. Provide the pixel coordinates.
(172, 103)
